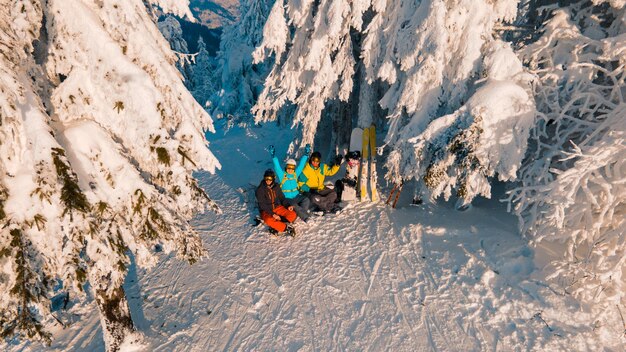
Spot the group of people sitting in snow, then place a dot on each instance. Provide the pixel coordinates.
(285, 195)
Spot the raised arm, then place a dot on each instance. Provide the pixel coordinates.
(329, 171)
(303, 160)
(301, 165)
(280, 173)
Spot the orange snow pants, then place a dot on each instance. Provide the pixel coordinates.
(278, 225)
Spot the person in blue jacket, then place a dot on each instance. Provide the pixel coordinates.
(288, 180)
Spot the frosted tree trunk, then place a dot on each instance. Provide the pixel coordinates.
(117, 323)
(340, 114)
(367, 100)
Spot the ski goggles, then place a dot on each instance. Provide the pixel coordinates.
(290, 168)
(268, 178)
(315, 160)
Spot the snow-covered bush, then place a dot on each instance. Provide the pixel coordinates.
(573, 189)
(98, 142)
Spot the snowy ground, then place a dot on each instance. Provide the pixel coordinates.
(372, 278)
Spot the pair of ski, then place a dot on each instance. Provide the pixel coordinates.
(361, 168)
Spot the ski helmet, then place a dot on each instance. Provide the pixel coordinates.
(291, 162)
(269, 173)
(356, 154)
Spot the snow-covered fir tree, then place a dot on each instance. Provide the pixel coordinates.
(201, 84)
(98, 142)
(241, 80)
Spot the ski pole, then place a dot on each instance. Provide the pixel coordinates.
(395, 201)
(393, 190)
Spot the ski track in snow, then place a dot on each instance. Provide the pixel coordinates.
(370, 278)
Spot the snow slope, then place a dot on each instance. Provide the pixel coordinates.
(371, 278)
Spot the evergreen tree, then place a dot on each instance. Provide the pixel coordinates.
(98, 142)
(241, 80)
(202, 76)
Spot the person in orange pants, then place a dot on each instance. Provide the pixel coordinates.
(273, 205)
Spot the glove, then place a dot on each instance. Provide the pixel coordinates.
(338, 160)
(307, 149)
(272, 150)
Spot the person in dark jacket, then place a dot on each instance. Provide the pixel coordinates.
(273, 205)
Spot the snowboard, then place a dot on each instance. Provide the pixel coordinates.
(373, 174)
(364, 165)
(350, 180)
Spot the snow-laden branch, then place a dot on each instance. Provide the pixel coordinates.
(314, 60)
(185, 58)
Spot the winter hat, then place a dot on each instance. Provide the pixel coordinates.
(316, 155)
(291, 162)
(269, 173)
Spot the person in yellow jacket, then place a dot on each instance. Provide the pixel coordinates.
(312, 180)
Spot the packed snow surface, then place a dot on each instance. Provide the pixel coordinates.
(372, 278)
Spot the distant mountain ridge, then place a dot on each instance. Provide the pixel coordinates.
(215, 13)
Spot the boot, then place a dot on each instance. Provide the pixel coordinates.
(336, 209)
(290, 230)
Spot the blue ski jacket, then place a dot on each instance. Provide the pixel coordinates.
(289, 182)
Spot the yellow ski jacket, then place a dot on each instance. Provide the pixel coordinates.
(313, 177)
